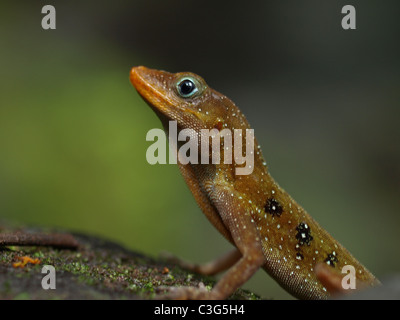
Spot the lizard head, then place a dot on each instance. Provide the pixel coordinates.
(186, 98)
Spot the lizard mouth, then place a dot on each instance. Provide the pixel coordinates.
(151, 85)
(157, 88)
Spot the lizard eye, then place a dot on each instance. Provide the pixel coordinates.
(187, 88)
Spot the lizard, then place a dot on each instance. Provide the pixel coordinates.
(267, 228)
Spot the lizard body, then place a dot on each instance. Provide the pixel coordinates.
(268, 228)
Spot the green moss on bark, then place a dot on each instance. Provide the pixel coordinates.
(98, 269)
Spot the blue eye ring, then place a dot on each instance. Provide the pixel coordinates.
(187, 87)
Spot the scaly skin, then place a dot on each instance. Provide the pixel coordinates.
(268, 228)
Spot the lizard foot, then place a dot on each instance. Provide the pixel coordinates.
(186, 293)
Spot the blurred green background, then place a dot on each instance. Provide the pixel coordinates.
(324, 103)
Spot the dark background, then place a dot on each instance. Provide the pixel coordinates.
(324, 103)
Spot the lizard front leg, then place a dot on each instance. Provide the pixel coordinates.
(240, 224)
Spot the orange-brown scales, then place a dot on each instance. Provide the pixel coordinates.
(269, 229)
